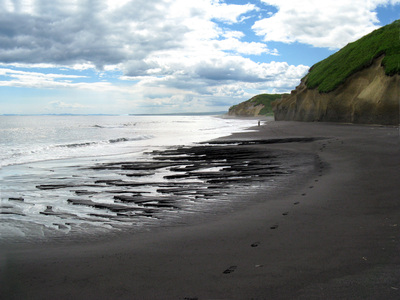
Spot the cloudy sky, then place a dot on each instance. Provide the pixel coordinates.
(161, 56)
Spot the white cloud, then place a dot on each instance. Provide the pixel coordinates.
(171, 51)
(35, 75)
(67, 33)
(63, 105)
(227, 90)
(233, 44)
(28, 79)
(231, 13)
(327, 23)
(199, 73)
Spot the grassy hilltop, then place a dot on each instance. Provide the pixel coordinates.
(328, 74)
(358, 84)
(259, 105)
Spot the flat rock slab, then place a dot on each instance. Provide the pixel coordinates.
(16, 199)
(192, 175)
(53, 186)
(266, 141)
(112, 207)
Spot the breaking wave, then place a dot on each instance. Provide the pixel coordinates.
(111, 141)
(37, 153)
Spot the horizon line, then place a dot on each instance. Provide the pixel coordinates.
(142, 114)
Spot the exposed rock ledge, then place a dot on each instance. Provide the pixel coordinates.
(368, 96)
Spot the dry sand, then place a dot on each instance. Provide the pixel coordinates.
(334, 237)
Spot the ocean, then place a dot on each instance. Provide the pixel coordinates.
(48, 162)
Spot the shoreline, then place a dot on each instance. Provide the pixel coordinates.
(42, 194)
(333, 235)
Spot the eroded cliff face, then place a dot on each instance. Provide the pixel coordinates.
(245, 110)
(368, 96)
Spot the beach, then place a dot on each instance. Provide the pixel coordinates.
(330, 234)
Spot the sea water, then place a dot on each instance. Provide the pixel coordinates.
(26, 139)
(36, 150)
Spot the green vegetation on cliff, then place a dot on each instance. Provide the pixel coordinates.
(258, 105)
(328, 74)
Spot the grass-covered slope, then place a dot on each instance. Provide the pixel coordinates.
(256, 106)
(328, 74)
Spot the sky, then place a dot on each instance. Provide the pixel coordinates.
(168, 56)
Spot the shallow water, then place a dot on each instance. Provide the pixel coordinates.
(45, 150)
(26, 139)
(80, 185)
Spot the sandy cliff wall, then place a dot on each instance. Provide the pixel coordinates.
(368, 96)
(245, 110)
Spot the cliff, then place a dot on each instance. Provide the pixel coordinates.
(358, 84)
(256, 106)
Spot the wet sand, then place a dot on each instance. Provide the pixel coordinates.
(332, 235)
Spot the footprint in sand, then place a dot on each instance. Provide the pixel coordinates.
(295, 203)
(255, 244)
(274, 226)
(230, 270)
(285, 213)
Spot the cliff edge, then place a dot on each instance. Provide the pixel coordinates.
(358, 84)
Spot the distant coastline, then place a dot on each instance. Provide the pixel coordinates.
(185, 114)
(30, 115)
(160, 114)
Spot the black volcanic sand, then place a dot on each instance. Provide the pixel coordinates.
(332, 234)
